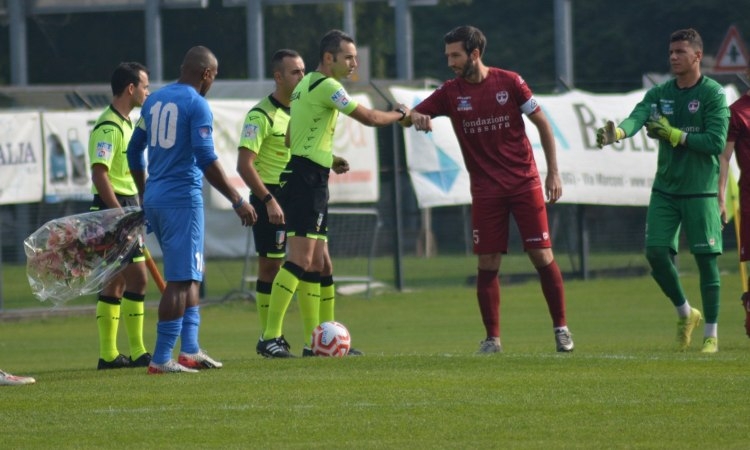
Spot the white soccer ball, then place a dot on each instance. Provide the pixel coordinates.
(331, 339)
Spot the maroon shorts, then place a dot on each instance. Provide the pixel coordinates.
(490, 219)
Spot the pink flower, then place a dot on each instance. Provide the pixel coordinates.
(74, 255)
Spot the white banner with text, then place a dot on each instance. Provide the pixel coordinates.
(620, 174)
(44, 157)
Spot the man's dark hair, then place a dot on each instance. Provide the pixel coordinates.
(278, 58)
(689, 35)
(331, 42)
(124, 74)
(471, 37)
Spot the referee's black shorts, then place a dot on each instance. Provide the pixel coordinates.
(304, 198)
(270, 239)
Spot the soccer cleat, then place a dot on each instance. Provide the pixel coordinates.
(141, 361)
(199, 360)
(710, 345)
(354, 352)
(283, 342)
(306, 352)
(685, 327)
(7, 379)
(273, 348)
(119, 362)
(170, 366)
(746, 304)
(564, 341)
(489, 346)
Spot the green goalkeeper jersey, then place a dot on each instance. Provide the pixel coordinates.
(702, 112)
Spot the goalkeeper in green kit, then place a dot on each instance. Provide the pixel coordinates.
(689, 117)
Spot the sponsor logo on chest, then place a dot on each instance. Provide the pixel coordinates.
(464, 104)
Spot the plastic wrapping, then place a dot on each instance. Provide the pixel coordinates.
(76, 255)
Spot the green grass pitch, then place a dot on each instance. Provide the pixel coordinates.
(420, 386)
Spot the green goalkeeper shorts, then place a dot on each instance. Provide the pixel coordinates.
(699, 216)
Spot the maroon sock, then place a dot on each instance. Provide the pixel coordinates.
(488, 296)
(554, 293)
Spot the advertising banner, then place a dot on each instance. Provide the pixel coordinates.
(66, 139)
(620, 174)
(21, 158)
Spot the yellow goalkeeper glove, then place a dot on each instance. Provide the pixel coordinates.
(608, 134)
(662, 130)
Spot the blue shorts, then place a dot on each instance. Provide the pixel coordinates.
(180, 232)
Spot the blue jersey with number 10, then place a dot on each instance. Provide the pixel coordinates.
(176, 125)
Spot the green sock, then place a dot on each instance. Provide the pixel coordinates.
(308, 295)
(132, 312)
(283, 289)
(107, 319)
(327, 301)
(710, 282)
(665, 274)
(262, 300)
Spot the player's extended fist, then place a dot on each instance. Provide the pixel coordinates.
(608, 134)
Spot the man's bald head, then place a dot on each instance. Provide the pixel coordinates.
(199, 68)
(197, 59)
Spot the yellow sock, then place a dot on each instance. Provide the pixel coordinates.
(132, 312)
(107, 320)
(262, 301)
(308, 295)
(327, 302)
(284, 286)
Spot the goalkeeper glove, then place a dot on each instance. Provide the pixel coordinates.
(608, 134)
(662, 130)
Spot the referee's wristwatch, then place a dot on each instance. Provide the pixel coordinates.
(402, 111)
(267, 198)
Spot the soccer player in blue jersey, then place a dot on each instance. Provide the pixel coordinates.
(177, 124)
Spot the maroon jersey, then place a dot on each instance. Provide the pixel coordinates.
(739, 132)
(487, 118)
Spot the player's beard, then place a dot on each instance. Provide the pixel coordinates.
(469, 70)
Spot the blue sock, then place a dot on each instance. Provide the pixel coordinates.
(166, 338)
(191, 321)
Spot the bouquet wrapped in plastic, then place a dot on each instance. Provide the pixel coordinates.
(76, 255)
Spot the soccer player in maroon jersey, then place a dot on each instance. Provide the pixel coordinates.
(738, 140)
(486, 107)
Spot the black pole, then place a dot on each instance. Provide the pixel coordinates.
(398, 229)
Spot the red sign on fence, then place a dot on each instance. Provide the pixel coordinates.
(732, 56)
